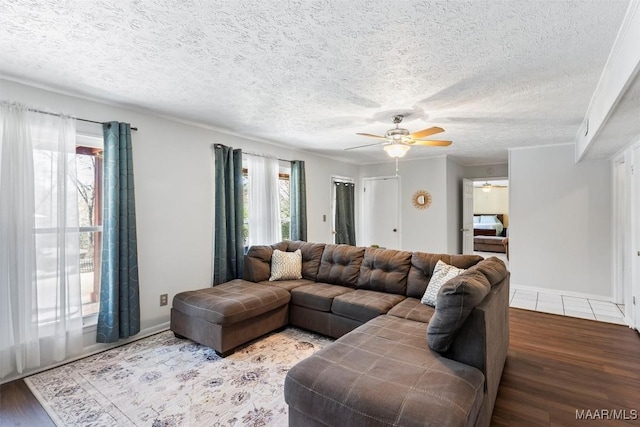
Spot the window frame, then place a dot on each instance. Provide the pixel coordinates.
(90, 144)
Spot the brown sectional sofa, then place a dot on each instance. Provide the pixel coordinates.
(396, 360)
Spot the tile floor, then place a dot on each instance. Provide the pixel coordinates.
(584, 308)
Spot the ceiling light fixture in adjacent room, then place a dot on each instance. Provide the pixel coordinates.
(486, 187)
(396, 150)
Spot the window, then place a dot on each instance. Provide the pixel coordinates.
(285, 205)
(284, 191)
(89, 188)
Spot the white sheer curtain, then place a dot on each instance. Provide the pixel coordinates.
(264, 201)
(40, 295)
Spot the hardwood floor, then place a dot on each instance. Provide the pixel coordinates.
(556, 366)
(19, 407)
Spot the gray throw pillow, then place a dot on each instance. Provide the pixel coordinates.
(455, 301)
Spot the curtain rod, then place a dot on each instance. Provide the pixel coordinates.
(77, 118)
(265, 155)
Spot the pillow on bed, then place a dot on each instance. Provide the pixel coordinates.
(441, 274)
(476, 219)
(489, 219)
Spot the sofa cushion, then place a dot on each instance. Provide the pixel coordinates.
(231, 302)
(317, 296)
(382, 374)
(288, 284)
(286, 265)
(455, 301)
(311, 256)
(340, 265)
(384, 270)
(364, 305)
(412, 309)
(423, 264)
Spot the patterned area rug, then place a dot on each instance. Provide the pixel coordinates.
(165, 381)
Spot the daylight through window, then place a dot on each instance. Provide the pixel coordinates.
(89, 187)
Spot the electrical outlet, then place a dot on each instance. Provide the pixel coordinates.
(164, 299)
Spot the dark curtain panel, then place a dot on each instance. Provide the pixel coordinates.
(229, 238)
(345, 213)
(298, 201)
(119, 315)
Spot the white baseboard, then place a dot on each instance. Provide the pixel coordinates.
(562, 292)
(90, 351)
(98, 347)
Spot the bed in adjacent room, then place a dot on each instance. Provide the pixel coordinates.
(488, 233)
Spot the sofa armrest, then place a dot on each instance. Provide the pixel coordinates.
(483, 342)
(257, 263)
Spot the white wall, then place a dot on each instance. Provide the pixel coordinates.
(498, 170)
(455, 173)
(174, 192)
(422, 230)
(560, 221)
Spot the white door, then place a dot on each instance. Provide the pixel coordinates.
(381, 212)
(635, 197)
(467, 216)
(621, 271)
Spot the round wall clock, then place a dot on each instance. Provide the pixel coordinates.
(421, 199)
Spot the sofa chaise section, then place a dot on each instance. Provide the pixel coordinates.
(383, 374)
(228, 315)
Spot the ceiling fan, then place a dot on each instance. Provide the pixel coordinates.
(398, 141)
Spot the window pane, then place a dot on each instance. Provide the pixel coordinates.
(86, 170)
(90, 271)
(245, 207)
(54, 273)
(285, 209)
(89, 189)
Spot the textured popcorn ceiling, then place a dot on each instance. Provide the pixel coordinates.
(310, 74)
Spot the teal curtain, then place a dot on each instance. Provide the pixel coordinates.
(298, 201)
(228, 251)
(345, 213)
(119, 315)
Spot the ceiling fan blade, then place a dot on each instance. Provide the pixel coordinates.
(371, 135)
(362, 146)
(426, 132)
(432, 143)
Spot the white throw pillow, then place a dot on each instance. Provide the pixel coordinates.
(441, 274)
(286, 265)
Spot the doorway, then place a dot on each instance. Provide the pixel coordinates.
(381, 212)
(486, 216)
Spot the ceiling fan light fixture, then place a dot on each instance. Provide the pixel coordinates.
(396, 150)
(397, 135)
